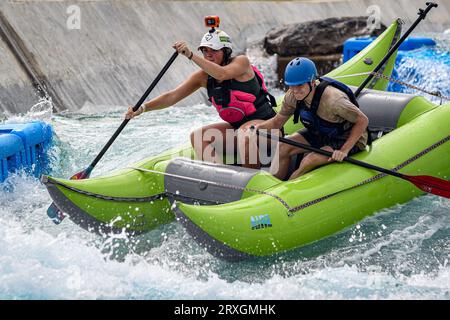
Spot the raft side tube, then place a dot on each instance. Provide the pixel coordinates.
(390, 110)
(79, 216)
(214, 247)
(112, 214)
(382, 108)
(188, 181)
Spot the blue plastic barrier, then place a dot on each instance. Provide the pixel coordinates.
(12, 154)
(24, 145)
(353, 46)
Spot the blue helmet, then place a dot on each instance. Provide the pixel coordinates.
(299, 71)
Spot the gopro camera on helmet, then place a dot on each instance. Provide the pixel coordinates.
(212, 22)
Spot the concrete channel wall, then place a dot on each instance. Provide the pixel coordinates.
(107, 52)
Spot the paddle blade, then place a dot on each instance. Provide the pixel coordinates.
(82, 175)
(79, 176)
(432, 185)
(56, 215)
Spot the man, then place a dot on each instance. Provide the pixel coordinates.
(329, 112)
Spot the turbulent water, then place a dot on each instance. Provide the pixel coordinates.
(427, 68)
(399, 253)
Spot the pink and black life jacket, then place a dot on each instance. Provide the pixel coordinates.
(235, 100)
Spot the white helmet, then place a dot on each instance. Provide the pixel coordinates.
(216, 40)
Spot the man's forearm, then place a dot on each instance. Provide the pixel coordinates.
(357, 131)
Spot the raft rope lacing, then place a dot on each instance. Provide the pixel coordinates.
(374, 178)
(291, 210)
(380, 75)
(158, 196)
(218, 184)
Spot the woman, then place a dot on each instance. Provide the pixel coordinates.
(235, 88)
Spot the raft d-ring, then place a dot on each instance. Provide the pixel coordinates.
(368, 61)
(202, 185)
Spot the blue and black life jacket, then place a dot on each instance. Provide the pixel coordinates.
(314, 123)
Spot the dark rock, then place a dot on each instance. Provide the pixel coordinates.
(320, 37)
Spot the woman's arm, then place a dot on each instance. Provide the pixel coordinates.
(189, 86)
(356, 132)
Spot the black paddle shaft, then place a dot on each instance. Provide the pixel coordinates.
(329, 154)
(138, 104)
(422, 14)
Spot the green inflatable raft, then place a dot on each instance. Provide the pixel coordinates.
(237, 212)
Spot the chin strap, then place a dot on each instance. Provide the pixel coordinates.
(310, 90)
